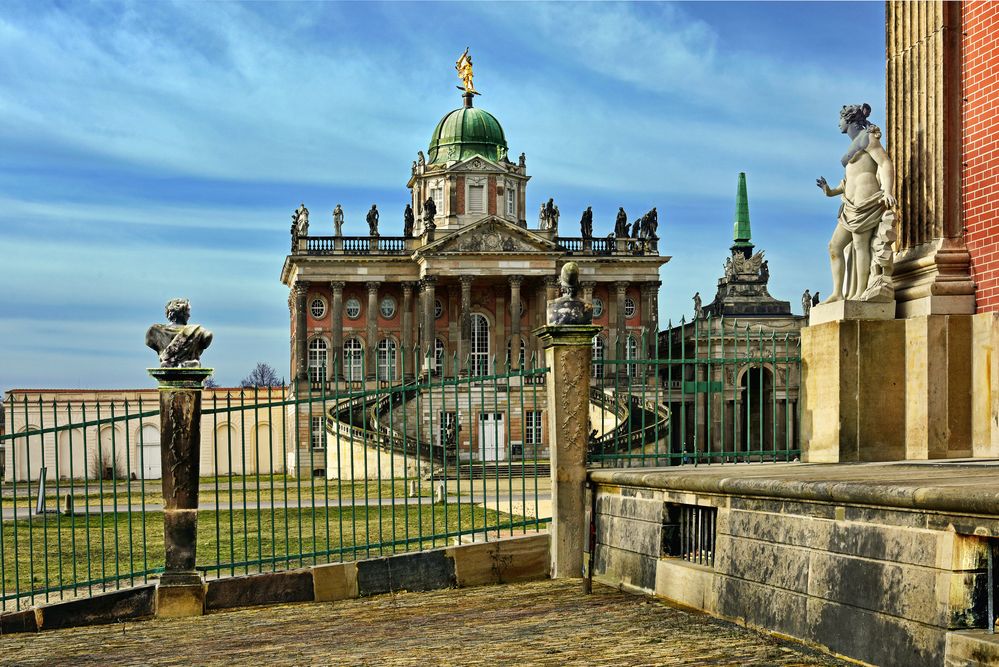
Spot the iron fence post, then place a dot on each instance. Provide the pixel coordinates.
(181, 590)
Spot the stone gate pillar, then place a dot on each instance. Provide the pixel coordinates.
(181, 590)
(568, 355)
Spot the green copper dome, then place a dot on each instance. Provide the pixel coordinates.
(465, 132)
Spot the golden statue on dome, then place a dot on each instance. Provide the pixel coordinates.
(464, 67)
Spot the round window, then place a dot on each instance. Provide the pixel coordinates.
(598, 307)
(353, 308)
(629, 307)
(318, 308)
(438, 309)
(387, 307)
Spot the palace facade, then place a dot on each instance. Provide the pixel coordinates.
(459, 292)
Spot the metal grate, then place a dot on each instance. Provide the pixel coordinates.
(689, 533)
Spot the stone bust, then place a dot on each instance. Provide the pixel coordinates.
(178, 344)
(569, 308)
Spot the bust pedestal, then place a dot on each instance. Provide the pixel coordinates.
(181, 590)
(851, 310)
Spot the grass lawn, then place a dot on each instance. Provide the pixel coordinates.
(52, 551)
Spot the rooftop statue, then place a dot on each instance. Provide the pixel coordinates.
(372, 220)
(407, 221)
(338, 221)
(860, 249)
(621, 223)
(522, 161)
(420, 158)
(548, 216)
(650, 226)
(698, 311)
(464, 67)
(301, 220)
(178, 344)
(806, 303)
(586, 223)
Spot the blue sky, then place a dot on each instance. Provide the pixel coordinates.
(152, 150)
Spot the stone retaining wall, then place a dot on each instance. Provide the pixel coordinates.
(885, 585)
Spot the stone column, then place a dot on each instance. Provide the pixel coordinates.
(620, 327)
(551, 288)
(181, 590)
(466, 323)
(588, 290)
(932, 274)
(515, 282)
(301, 289)
(372, 346)
(568, 353)
(337, 327)
(407, 332)
(429, 335)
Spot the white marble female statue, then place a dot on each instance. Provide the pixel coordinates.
(860, 249)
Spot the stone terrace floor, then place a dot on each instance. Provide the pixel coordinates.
(539, 623)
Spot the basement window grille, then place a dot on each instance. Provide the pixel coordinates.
(689, 533)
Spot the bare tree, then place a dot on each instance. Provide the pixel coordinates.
(263, 375)
(210, 382)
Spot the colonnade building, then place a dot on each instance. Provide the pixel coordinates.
(458, 288)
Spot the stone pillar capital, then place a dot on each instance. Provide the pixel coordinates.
(466, 281)
(551, 281)
(372, 286)
(516, 281)
(338, 285)
(621, 286)
(407, 288)
(300, 288)
(588, 284)
(427, 282)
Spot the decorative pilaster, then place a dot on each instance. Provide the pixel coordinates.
(515, 282)
(372, 345)
(407, 331)
(301, 289)
(588, 290)
(336, 318)
(466, 323)
(932, 274)
(551, 288)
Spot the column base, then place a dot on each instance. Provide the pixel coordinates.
(851, 310)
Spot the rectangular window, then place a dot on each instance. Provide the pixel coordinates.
(318, 433)
(532, 427)
(447, 429)
(437, 194)
(510, 201)
(476, 198)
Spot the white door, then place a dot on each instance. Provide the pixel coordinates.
(152, 461)
(492, 436)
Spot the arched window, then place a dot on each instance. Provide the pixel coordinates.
(353, 359)
(317, 359)
(386, 359)
(479, 361)
(631, 352)
(598, 357)
(440, 352)
(521, 358)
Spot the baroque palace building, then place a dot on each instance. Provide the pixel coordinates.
(460, 290)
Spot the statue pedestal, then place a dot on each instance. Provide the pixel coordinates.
(851, 310)
(853, 390)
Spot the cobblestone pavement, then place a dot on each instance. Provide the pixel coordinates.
(539, 623)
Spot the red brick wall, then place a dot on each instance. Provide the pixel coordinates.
(459, 186)
(980, 120)
(492, 195)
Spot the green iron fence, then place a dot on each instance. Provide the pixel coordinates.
(317, 472)
(712, 390)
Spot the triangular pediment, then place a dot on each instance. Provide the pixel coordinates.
(490, 235)
(478, 164)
